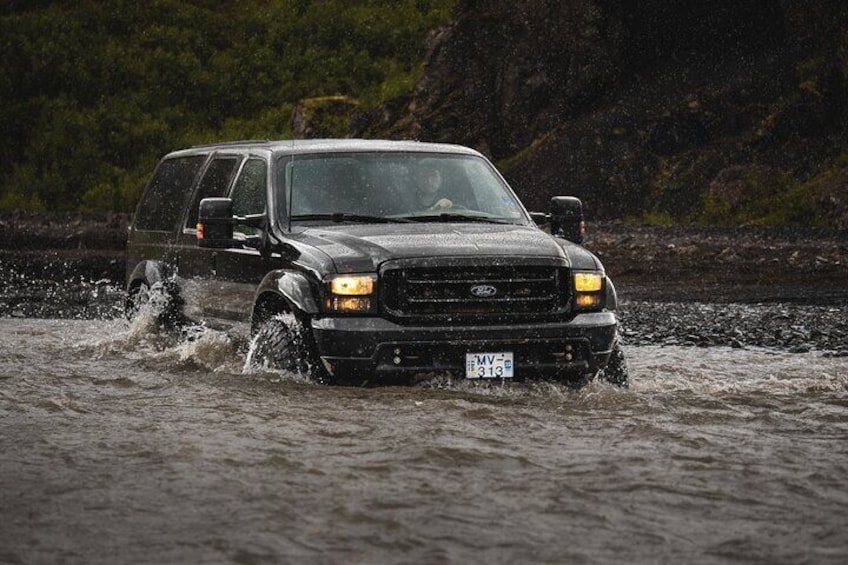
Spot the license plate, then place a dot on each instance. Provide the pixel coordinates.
(489, 365)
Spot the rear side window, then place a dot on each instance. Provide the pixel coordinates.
(163, 201)
(215, 182)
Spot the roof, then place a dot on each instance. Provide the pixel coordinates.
(303, 146)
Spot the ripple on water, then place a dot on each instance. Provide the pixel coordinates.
(114, 425)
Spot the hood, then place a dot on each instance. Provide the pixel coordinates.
(363, 248)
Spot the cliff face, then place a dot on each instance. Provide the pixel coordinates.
(710, 110)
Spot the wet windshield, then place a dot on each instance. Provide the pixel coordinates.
(362, 187)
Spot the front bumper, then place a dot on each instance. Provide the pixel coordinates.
(376, 346)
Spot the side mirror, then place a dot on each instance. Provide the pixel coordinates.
(215, 223)
(567, 218)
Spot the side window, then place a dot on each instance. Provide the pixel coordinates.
(249, 192)
(162, 203)
(215, 182)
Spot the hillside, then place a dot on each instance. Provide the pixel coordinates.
(718, 112)
(722, 112)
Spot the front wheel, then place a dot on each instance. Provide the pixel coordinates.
(282, 343)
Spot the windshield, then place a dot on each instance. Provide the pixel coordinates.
(394, 186)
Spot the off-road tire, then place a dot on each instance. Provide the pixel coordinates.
(169, 314)
(137, 298)
(283, 343)
(615, 372)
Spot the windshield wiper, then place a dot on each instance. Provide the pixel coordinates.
(339, 217)
(453, 216)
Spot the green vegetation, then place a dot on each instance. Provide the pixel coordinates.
(757, 198)
(326, 116)
(94, 93)
(655, 219)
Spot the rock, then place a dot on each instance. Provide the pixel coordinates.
(728, 255)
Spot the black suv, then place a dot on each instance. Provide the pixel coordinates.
(367, 260)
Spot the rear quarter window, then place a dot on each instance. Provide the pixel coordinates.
(162, 203)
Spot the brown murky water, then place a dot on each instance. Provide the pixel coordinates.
(122, 446)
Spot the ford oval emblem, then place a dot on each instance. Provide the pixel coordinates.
(484, 291)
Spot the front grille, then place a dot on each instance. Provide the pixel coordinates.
(487, 291)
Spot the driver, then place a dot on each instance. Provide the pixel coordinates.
(428, 190)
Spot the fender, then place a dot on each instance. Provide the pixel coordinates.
(611, 296)
(291, 288)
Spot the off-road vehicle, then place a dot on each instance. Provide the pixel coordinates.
(368, 260)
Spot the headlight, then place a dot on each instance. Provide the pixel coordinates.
(588, 290)
(352, 294)
(349, 285)
(588, 282)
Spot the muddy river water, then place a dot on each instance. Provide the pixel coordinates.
(122, 445)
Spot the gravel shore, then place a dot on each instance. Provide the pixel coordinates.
(797, 328)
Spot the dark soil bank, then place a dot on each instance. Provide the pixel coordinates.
(62, 266)
(723, 264)
(678, 285)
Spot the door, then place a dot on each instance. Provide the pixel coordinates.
(196, 266)
(240, 269)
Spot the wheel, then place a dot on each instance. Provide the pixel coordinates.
(137, 298)
(578, 382)
(616, 372)
(283, 343)
(160, 298)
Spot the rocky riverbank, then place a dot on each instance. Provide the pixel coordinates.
(797, 328)
(704, 264)
(740, 287)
